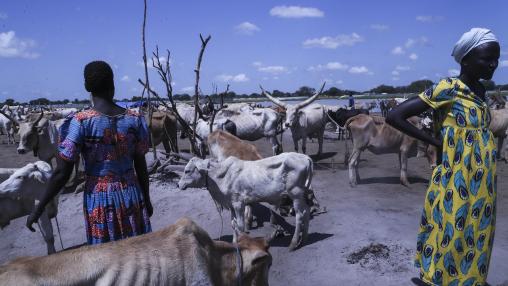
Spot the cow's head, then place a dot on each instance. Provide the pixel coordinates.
(22, 187)
(294, 115)
(29, 135)
(256, 260)
(194, 174)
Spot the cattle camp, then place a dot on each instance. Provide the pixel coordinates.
(252, 153)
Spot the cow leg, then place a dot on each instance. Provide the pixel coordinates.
(167, 147)
(403, 167)
(500, 154)
(320, 142)
(47, 232)
(275, 145)
(295, 141)
(353, 168)
(300, 208)
(248, 217)
(304, 144)
(239, 220)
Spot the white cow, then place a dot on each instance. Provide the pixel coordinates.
(304, 119)
(19, 194)
(8, 125)
(234, 183)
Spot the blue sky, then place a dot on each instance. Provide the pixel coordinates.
(282, 45)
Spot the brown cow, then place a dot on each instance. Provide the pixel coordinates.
(498, 126)
(181, 254)
(372, 133)
(164, 128)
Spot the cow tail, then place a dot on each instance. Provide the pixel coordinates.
(310, 172)
(348, 130)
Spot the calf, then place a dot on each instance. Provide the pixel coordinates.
(178, 255)
(234, 183)
(18, 196)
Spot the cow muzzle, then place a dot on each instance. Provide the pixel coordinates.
(21, 151)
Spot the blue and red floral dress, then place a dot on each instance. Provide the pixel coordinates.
(113, 203)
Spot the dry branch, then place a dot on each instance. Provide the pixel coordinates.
(204, 42)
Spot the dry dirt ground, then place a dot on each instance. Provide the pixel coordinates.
(367, 237)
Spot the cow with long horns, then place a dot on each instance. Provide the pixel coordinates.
(304, 119)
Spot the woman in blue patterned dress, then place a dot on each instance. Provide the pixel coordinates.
(113, 142)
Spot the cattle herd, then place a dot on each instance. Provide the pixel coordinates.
(234, 173)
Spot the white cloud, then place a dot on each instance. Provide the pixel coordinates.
(429, 19)
(125, 78)
(247, 28)
(233, 78)
(3, 16)
(413, 56)
(395, 78)
(398, 50)
(187, 89)
(257, 64)
(395, 72)
(329, 66)
(453, 72)
(402, 68)
(339, 81)
(13, 47)
(379, 27)
(411, 42)
(273, 69)
(333, 42)
(296, 12)
(503, 63)
(359, 70)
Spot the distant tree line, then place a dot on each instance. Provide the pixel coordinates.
(304, 91)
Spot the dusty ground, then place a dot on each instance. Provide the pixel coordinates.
(367, 237)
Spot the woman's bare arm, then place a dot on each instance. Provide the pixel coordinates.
(398, 116)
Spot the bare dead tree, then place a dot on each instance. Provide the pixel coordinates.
(164, 72)
(204, 42)
(147, 86)
(217, 111)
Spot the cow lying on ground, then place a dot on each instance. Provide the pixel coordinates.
(178, 255)
(372, 133)
(18, 196)
(234, 183)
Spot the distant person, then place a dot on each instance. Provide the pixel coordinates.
(351, 101)
(456, 233)
(383, 107)
(113, 142)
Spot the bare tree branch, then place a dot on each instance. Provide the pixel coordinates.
(204, 42)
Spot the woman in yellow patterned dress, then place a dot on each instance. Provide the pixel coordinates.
(457, 226)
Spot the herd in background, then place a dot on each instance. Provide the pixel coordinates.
(234, 173)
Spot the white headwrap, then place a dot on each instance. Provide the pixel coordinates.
(471, 40)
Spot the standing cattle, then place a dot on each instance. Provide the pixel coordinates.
(304, 119)
(163, 128)
(499, 126)
(372, 133)
(234, 183)
(182, 254)
(9, 125)
(253, 124)
(39, 136)
(18, 196)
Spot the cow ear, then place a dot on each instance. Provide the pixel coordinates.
(302, 119)
(255, 258)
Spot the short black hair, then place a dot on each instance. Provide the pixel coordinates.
(98, 77)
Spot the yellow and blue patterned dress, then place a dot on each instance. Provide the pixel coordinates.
(457, 225)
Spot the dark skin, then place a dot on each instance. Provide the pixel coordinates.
(103, 103)
(479, 63)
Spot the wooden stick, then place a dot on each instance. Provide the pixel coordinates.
(204, 42)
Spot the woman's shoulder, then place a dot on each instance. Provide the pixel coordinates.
(86, 114)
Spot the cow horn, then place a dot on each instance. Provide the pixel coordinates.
(9, 117)
(310, 99)
(273, 99)
(38, 119)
